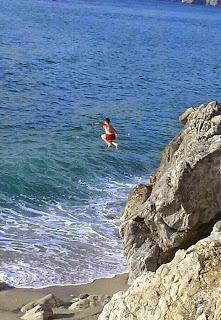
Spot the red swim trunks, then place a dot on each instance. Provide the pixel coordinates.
(110, 137)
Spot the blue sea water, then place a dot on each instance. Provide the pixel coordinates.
(63, 65)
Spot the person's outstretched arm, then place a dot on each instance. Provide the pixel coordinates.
(97, 124)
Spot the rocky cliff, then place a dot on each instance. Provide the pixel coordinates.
(167, 218)
(187, 288)
(183, 200)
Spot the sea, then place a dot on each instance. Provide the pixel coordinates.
(64, 65)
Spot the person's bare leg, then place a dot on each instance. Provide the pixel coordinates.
(103, 137)
(116, 145)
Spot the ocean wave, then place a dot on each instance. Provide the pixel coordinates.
(37, 242)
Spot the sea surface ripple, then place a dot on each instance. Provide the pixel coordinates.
(63, 65)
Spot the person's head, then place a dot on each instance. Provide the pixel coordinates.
(106, 120)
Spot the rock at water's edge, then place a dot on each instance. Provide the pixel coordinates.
(184, 199)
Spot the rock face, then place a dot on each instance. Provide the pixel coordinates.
(183, 200)
(136, 198)
(187, 288)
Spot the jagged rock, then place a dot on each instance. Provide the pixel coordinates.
(187, 288)
(217, 227)
(50, 301)
(83, 295)
(184, 116)
(98, 300)
(89, 301)
(79, 305)
(74, 300)
(39, 312)
(135, 199)
(185, 199)
(2, 285)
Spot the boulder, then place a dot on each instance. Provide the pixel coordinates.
(49, 300)
(186, 288)
(98, 300)
(88, 302)
(39, 312)
(2, 285)
(79, 305)
(184, 116)
(83, 295)
(184, 200)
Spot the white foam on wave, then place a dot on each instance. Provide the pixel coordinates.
(62, 243)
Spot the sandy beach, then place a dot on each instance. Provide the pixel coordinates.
(11, 300)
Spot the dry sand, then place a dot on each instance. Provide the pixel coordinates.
(11, 300)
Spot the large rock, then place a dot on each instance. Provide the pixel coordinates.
(39, 312)
(2, 285)
(187, 288)
(88, 301)
(185, 199)
(50, 301)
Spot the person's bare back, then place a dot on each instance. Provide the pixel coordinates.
(109, 129)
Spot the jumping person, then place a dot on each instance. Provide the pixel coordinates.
(110, 134)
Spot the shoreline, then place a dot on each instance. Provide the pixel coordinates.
(67, 284)
(12, 298)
